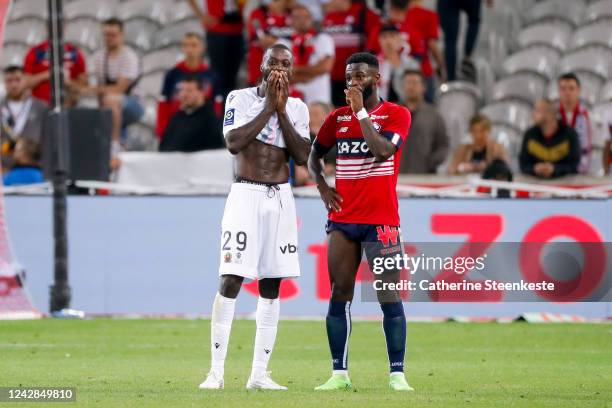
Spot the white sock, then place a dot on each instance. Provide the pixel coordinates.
(341, 372)
(266, 318)
(220, 328)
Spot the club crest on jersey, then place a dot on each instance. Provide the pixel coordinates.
(227, 258)
(229, 117)
(344, 118)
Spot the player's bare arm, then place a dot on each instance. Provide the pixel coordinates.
(329, 195)
(297, 146)
(360, 77)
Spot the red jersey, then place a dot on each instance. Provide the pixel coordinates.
(263, 22)
(410, 36)
(37, 61)
(351, 31)
(229, 13)
(367, 187)
(426, 22)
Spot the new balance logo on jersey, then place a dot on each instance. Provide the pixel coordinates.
(343, 129)
(387, 234)
(289, 248)
(352, 147)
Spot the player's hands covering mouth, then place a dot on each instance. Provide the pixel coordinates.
(354, 97)
(277, 91)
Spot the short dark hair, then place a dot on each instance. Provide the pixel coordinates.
(480, 118)
(388, 28)
(416, 72)
(193, 34)
(279, 46)
(193, 78)
(12, 69)
(570, 76)
(399, 4)
(114, 21)
(31, 148)
(363, 58)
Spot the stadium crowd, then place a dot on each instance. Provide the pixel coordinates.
(403, 34)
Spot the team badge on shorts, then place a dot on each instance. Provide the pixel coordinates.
(227, 258)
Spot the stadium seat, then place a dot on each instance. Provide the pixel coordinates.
(457, 103)
(516, 115)
(98, 10)
(139, 33)
(150, 84)
(601, 117)
(493, 47)
(485, 76)
(596, 34)
(140, 138)
(173, 34)
(594, 60)
(180, 11)
(606, 92)
(552, 33)
(161, 60)
(13, 54)
(525, 87)
(599, 10)
(157, 11)
(29, 8)
(27, 32)
(83, 33)
(504, 19)
(590, 87)
(539, 59)
(570, 11)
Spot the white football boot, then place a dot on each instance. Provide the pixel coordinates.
(263, 381)
(214, 381)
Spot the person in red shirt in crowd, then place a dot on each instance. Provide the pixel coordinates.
(353, 27)
(36, 67)
(426, 22)
(412, 39)
(224, 25)
(193, 65)
(267, 24)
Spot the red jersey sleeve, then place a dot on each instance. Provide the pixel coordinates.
(80, 67)
(433, 23)
(326, 138)
(28, 63)
(397, 127)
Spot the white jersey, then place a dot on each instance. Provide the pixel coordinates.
(243, 105)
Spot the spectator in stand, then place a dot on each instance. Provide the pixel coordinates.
(426, 22)
(193, 64)
(449, 12)
(475, 157)
(21, 115)
(267, 24)
(317, 8)
(117, 69)
(223, 24)
(550, 148)
(393, 61)
(318, 112)
(427, 144)
(195, 126)
(26, 169)
(411, 38)
(572, 113)
(607, 153)
(351, 24)
(37, 68)
(313, 55)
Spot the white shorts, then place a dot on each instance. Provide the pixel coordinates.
(259, 232)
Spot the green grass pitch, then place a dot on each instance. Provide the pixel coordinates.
(159, 363)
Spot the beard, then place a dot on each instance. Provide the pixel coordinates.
(367, 91)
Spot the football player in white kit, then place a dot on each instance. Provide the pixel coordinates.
(263, 127)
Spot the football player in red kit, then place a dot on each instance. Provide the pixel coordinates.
(369, 134)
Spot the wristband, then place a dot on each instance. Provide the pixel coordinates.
(362, 114)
